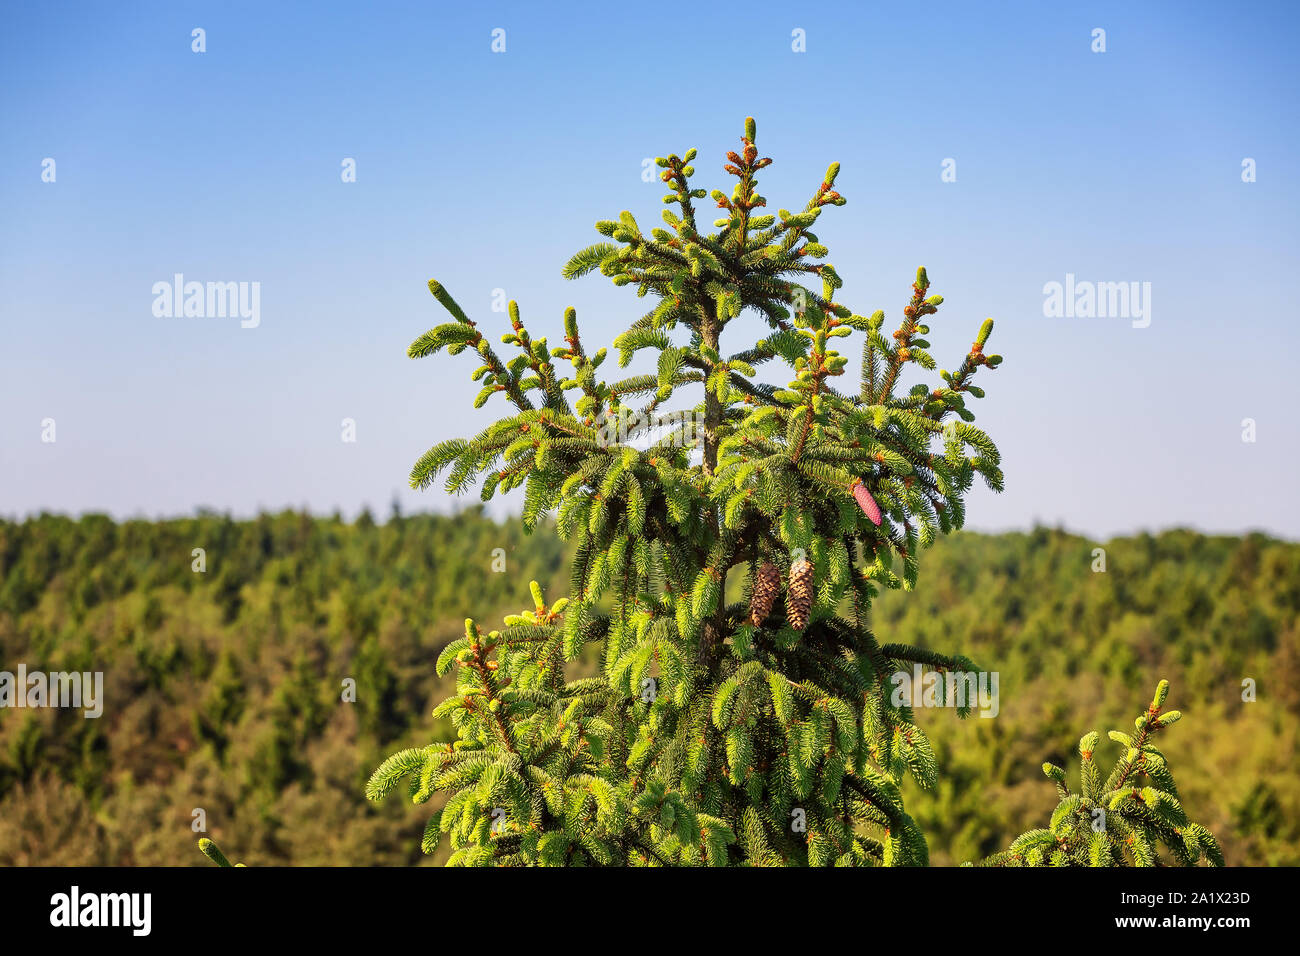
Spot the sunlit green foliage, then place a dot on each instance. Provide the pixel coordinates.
(224, 688)
(1131, 817)
(191, 698)
(709, 738)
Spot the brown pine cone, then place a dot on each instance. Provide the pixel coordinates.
(767, 583)
(799, 595)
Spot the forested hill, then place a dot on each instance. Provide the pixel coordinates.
(224, 671)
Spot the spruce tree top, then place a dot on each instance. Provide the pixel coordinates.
(769, 454)
(717, 732)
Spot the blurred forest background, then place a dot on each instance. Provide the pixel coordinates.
(223, 688)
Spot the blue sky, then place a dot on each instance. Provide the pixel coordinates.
(487, 170)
